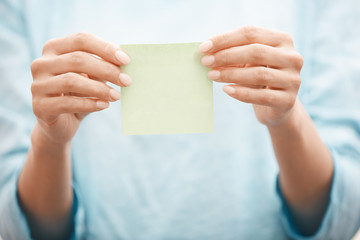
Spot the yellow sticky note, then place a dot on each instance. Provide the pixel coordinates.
(170, 92)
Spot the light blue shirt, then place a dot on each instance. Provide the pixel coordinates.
(220, 185)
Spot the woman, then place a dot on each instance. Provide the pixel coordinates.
(66, 173)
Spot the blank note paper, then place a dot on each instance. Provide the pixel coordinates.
(170, 92)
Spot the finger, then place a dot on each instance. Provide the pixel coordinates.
(258, 76)
(244, 36)
(81, 62)
(76, 85)
(264, 96)
(54, 106)
(87, 42)
(84, 75)
(256, 54)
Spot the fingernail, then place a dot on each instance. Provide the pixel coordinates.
(115, 95)
(208, 60)
(102, 104)
(125, 79)
(229, 89)
(206, 46)
(214, 74)
(122, 57)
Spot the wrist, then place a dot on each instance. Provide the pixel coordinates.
(40, 142)
(292, 122)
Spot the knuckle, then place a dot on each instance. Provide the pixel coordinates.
(68, 81)
(296, 59)
(37, 65)
(258, 52)
(263, 76)
(249, 32)
(287, 38)
(34, 88)
(49, 45)
(80, 38)
(76, 59)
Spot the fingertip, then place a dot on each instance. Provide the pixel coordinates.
(229, 89)
(114, 95)
(102, 105)
(125, 79)
(208, 60)
(122, 57)
(206, 46)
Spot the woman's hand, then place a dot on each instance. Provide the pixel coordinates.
(262, 67)
(70, 82)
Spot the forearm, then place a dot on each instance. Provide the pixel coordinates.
(44, 186)
(306, 168)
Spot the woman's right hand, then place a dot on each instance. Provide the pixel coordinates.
(70, 82)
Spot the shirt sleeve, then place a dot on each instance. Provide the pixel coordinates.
(17, 119)
(330, 44)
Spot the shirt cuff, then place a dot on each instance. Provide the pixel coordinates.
(79, 215)
(342, 216)
(13, 223)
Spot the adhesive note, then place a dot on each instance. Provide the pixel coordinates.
(170, 92)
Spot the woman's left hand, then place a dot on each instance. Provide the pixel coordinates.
(262, 66)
